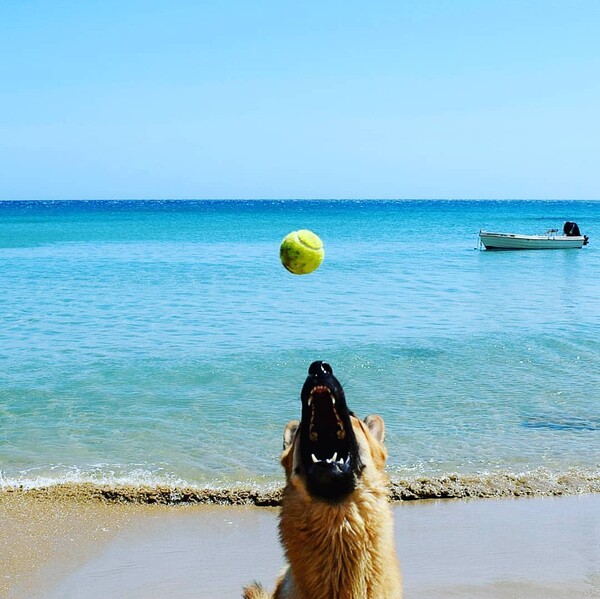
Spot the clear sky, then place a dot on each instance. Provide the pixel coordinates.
(302, 99)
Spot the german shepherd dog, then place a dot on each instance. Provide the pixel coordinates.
(335, 523)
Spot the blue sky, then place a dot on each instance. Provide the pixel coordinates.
(327, 99)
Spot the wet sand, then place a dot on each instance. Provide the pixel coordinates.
(42, 540)
(470, 549)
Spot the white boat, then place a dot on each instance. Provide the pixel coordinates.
(549, 241)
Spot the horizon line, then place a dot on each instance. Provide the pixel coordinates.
(291, 199)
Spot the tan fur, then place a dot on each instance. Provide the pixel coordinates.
(255, 591)
(339, 550)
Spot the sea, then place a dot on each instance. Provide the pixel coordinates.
(161, 344)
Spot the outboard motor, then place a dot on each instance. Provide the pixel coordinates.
(571, 229)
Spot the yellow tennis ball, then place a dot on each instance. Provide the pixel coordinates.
(301, 252)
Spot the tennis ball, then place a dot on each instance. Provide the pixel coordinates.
(301, 252)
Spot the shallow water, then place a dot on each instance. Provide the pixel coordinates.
(163, 343)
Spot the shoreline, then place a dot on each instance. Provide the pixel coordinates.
(455, 486)
(496, 549)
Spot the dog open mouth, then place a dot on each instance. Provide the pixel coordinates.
(329, 450)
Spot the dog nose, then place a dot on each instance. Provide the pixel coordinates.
(319, 367)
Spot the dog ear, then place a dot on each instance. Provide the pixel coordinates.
(290, 431)
(376, 427)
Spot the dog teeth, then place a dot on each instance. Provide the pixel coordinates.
(321, 389)
(332, 460)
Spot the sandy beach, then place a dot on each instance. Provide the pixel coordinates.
(509, 548)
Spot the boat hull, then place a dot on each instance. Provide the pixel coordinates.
(509, 241)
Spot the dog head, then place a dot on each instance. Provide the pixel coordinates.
(329, 450)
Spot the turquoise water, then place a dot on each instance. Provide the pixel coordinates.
(164, 343)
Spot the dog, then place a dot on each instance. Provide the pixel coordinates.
(335, 524)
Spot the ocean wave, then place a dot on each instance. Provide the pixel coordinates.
(539, 483)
